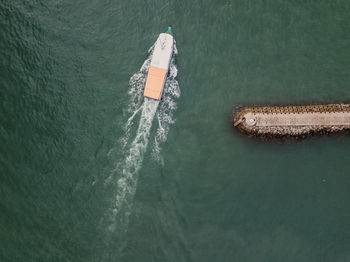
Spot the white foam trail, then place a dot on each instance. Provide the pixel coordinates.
(134, 144)
(127, 181)
(166, 109)
(136, 83)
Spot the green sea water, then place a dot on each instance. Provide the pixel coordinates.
(90, 171)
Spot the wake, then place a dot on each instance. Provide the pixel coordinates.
(133, 144)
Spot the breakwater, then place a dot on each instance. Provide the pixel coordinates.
(300, 120)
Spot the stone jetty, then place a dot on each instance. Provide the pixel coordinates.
(300, 120)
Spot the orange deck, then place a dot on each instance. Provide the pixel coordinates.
(155, 82)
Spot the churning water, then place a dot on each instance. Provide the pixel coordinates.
(140, 116)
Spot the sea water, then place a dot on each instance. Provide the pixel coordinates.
(92, 171)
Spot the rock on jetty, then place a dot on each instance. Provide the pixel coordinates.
(298, 120)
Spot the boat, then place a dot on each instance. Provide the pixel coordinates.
(160, 63)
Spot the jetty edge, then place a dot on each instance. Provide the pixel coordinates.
(295, 121)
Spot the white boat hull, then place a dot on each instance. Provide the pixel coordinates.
(159, 67)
